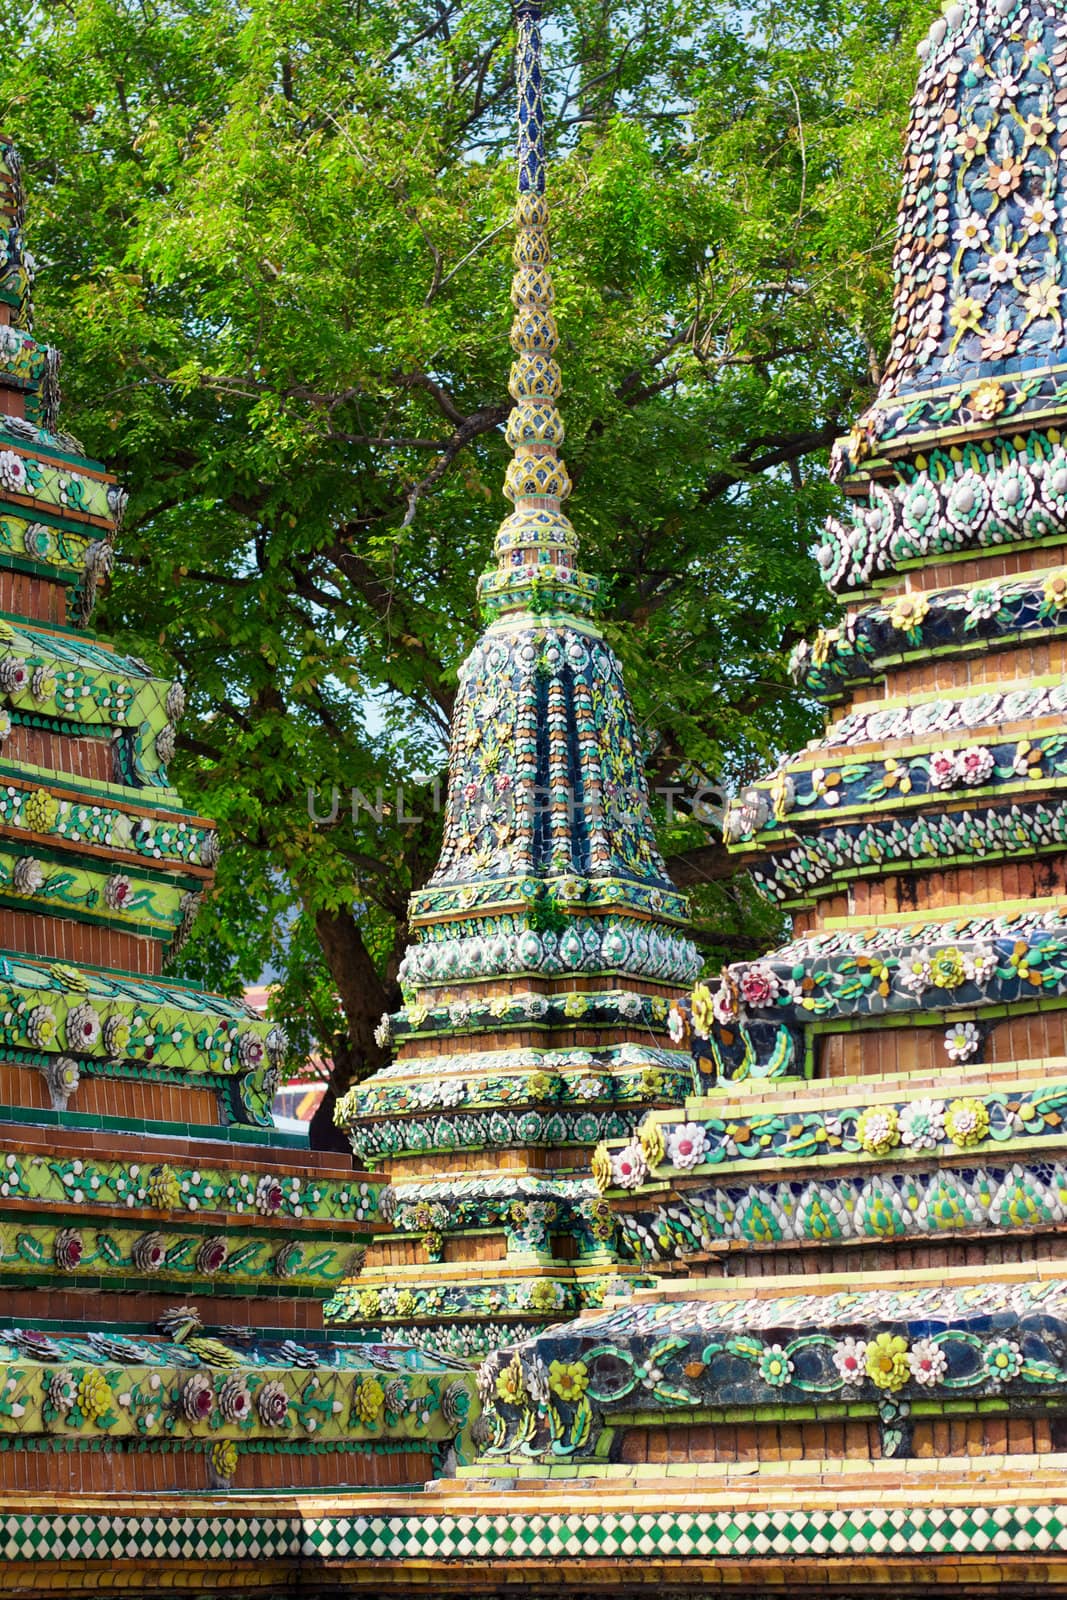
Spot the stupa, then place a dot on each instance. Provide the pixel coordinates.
(851, 1366)
(549, 942)
(164, 1252)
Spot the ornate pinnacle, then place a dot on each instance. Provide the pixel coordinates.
(536, 544)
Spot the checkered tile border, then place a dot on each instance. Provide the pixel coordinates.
(725, 1533)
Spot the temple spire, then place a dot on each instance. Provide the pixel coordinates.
(536, 545)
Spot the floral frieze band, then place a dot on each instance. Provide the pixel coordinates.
(505, 1129)
(946, 621)
(974, 496)
(127, 1255)
(830, 857)
(766, 1213)
(625, 1074)
(89, 1179)
(903, 1129)
(123, 1399)
(916, 969)
(89, 1017)
(513, 946)
(56, 485)
(904, 782)
(555, 1395)
(73, 679)
(165, 837)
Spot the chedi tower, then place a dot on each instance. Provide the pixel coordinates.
(549, 941)
(164, 1251)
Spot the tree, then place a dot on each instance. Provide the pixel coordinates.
(274, 242)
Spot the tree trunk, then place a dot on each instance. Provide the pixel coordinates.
(363, 997)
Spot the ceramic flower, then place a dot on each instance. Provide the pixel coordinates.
(28, 875)
(510, 1384)
(908, 611)
(650, 1138)
(629, 1169)
(702, 1007)
(268, 1195)
(272, 1403)
(775, 1366)
(686, 1145)
(926, 1362)
(989, 398)
(93, 1395)
(39, 811)
(211, 1256)
(947, 969)
(82, 1028)
(601, 1167)
(887, 1361)
(982, 602)
(235, 1401)
(850, 1359)
(1002, 1359)
(116, 1037)
(922, 1124)
(943, 770)
(967, 1123)
(962, 1041)
(368, 1399)
(876, 1129)
(1054, 590)
(975, 765)
(12, 472)
(197, 1397)
(759, 985)
(149, 1252)
(224, 1459)
(164, 1190)
(67, 1249)
(677, 1025)
(62, 1390)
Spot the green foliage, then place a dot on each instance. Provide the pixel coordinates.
(274, 246)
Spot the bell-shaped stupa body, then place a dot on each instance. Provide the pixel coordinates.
(899, 1192)
(978, 337)
(549, 941)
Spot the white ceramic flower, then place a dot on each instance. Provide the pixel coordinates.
(927, 1362)
(962, 1041)
(686, 1145)
(850, 1358)
(922, 1124)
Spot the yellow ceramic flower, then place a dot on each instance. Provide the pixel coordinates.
(224, 1459)
(539, 1086)
(406, 1303)
(93, 1395)
(164, 1190)
(601, 1167)
(967, 1122)
(575, 1005)
(822, 645)
(510, 1386)
(887, 1361)
(701, 1009)
(987, 400)
(39, 811)
(876, 1129)
(908, 611)
(651, 1137)
(568, 1379)
(947, 970)
(368, 1399)
(369, 1303)
(1055, 590)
